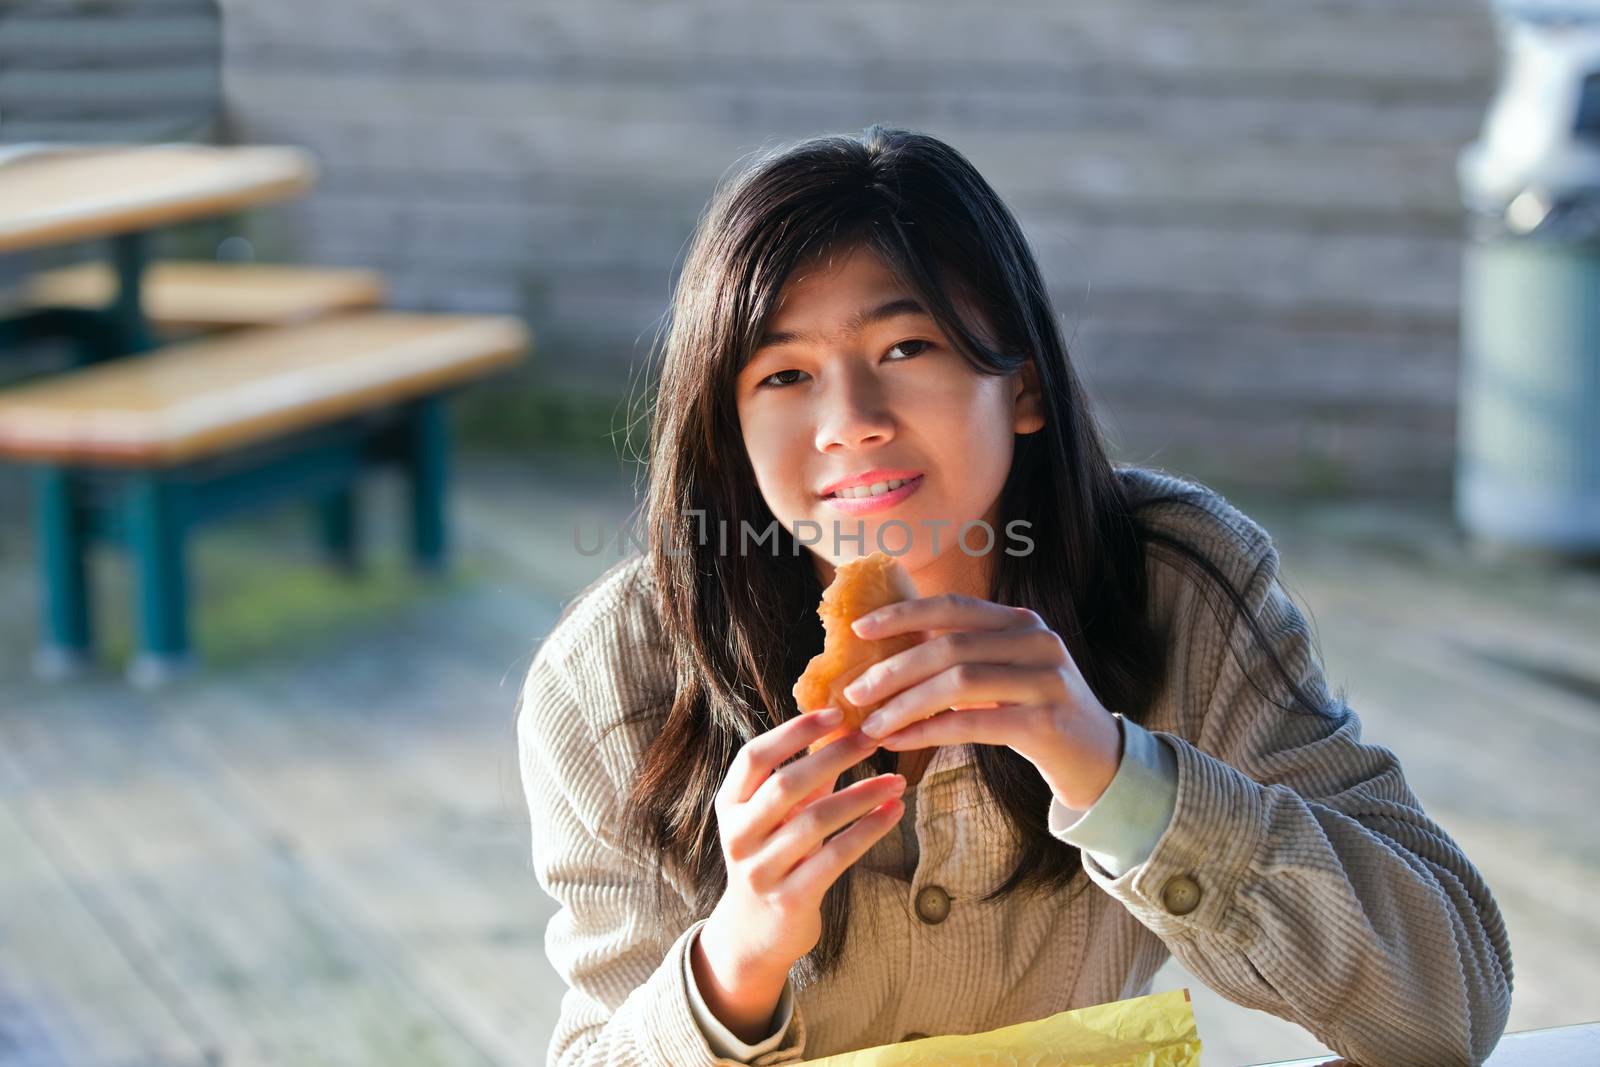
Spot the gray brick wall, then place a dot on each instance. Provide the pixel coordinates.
(1247, 210)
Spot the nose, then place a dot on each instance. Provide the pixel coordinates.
(853, 414)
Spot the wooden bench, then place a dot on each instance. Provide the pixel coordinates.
(141, 451)
(184, 295)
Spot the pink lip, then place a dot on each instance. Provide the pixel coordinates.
(880, 474)
(870, 504)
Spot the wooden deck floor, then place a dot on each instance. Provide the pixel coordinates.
(314, 851)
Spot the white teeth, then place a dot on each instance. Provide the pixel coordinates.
(875, 489)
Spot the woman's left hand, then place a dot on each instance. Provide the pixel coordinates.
(993, 675)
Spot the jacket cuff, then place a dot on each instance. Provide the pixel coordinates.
(1120, 830)
(1190, 880)
(670, 1027)
(722, 1040)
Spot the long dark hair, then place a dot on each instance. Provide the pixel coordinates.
(742, 626)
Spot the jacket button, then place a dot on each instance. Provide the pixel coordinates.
(1181, 895)
(915, 1035)
(933, 904)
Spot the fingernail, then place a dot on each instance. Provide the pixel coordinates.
(856, 689)
(863, 624)
(831, 716)
(874, 725)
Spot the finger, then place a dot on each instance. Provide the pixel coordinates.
(811, 798)
(785, 789)
(966, 684)
(947, 611)
(809, 831)
(1038, 648)
(761, 755)
(829, 738)
(819, 871)
(1007, 726)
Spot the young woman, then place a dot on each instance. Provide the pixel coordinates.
(1115, 742)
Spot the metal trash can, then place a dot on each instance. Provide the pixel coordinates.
(1528, 432)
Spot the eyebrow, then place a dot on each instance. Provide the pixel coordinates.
(904, 305)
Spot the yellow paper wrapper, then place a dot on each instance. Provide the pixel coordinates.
(1153, 1031)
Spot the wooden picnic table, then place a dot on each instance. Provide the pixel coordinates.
(61, 194)
(1557, 1046)
(205, 428)
(55, 194)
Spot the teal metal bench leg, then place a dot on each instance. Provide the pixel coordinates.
(61, 537)
(156, 529)
(130, 252)
(427, 460)
(337, 522)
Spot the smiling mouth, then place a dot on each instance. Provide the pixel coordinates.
(867, 492)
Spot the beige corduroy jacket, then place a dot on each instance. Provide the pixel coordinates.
(1298, 874)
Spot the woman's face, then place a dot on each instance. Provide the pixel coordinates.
(853, 377)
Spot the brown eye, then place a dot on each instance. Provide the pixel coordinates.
(913, 348)
(768, 380)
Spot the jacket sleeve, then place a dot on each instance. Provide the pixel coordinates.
(1121, 829)
(1299, 874)
(627, 999)
(725, 1042)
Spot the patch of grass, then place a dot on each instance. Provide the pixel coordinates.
(250, 600)
(520, 412)
(303, 606)
(1321, 474)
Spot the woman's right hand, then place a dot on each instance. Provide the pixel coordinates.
(775, 823)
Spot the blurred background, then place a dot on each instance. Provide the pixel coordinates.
(310, 845)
